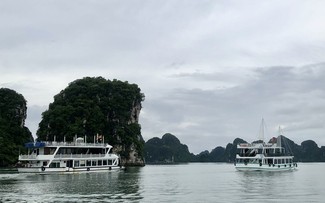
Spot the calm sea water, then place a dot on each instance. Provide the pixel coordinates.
(169, 183)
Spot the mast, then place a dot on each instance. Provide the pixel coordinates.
(278, 140)
(261, 132)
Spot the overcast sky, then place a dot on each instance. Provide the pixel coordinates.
(210, 69)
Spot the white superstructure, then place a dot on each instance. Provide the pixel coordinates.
(48, 157)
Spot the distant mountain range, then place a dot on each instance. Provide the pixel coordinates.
(169, 149)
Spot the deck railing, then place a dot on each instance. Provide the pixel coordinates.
(27, 157)
(75, 144)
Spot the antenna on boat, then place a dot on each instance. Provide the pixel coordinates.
(278, 140)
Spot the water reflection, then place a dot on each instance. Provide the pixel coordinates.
(90, 187)
(266, 186)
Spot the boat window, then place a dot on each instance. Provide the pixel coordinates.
(49, 150)
(277, 151)
(109, 162)
(94, 163)
(105, 162)
(55, 165)
(82, 163)
(100, 162)
(88, 162)
(76, 163)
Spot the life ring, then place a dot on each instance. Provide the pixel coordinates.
(43, 168)
(88, 169)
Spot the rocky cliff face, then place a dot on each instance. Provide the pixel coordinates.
(133, 155)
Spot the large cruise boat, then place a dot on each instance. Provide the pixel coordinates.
(77, 156)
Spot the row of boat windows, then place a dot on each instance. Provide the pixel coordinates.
(266, 161)
(81, 151)
(63, 150)
(82, 163)
(252, 152)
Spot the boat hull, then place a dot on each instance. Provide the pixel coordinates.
(46, 170)
(257, 167)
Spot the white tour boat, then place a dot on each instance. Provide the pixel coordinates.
(263, 157)
(77, 156)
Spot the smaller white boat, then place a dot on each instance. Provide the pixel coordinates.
(263, 157)
(260, 156)
(77, 156)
